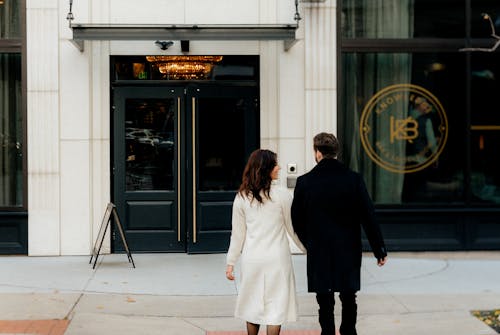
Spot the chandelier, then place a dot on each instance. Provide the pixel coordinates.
(184, 67)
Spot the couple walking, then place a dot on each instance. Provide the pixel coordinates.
(329, 206)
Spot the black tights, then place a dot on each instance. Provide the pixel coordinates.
(253, 329)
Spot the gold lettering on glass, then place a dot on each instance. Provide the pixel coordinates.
(403, 128)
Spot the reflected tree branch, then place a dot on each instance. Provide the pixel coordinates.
(486, 16)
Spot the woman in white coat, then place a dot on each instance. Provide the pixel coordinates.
(260, 224)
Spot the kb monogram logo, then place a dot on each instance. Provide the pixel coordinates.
(403, 128)
(406, 129)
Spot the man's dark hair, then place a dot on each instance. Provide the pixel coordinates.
(327, 144)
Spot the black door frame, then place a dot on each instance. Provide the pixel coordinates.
(201, 240)
(172, 241)
(191, 238)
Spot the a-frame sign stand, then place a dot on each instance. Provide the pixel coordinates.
(110, 209)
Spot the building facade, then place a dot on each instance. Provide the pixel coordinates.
(154, 107)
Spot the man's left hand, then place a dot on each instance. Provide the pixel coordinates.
(381, 261)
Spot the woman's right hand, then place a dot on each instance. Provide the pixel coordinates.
(229, 272)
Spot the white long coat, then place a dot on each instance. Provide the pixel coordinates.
(259, 235)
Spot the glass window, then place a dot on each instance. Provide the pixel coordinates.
(150, 144)
(481, 27)
(222, 155)
(11, 131)
(403, 18)
(404, 120)
(10, 23)
(485, 128)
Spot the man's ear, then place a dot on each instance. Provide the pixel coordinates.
(318, 155)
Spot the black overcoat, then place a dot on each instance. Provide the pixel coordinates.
(330, 206)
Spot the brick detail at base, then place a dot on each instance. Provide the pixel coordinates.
(263, 332)
(38, 327)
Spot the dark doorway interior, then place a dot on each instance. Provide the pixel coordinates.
(179, 148)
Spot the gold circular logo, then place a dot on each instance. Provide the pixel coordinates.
(403, 128)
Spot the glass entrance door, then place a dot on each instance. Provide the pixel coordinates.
(146, 167)
(178, 156)
(224, 131)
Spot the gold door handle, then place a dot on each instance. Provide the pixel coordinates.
(178, 169)
(193, 118)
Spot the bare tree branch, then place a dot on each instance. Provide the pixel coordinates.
(493, 34)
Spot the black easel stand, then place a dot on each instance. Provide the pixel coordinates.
(110, 209)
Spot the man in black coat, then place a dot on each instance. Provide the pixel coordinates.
(330, 205)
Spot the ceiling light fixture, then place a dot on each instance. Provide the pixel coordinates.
(184, 67)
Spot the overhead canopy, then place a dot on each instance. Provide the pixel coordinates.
(100, 32)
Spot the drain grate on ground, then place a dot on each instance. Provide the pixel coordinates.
(491, 318)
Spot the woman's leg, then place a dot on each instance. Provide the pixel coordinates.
(273, 330)
(252, 328)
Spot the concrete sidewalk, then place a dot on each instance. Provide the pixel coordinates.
(415, 293)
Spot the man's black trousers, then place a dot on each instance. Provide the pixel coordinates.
(326, 302)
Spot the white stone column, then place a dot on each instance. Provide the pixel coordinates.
(74, 137)
(100, 127)
(44, 229)
(320, 72)
(269, 81)
(283, 91)
(292, 104)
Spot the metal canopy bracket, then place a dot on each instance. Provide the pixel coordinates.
(101, 32)
(79, 44)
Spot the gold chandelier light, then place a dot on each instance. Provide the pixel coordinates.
(184, 67)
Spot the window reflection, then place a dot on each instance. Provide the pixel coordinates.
(467, 170)
(485, 127)
(10, 23)
(225, 133)
(402, 19)
(481, 28)
(150, 144)
(409, 111)
(11, 131)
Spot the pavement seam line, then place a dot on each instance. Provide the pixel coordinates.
(446, 266)
(194, 325)
(400, 302)
(67, 316)
(94, 272)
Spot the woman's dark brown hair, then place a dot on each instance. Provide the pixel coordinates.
(257, 174)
